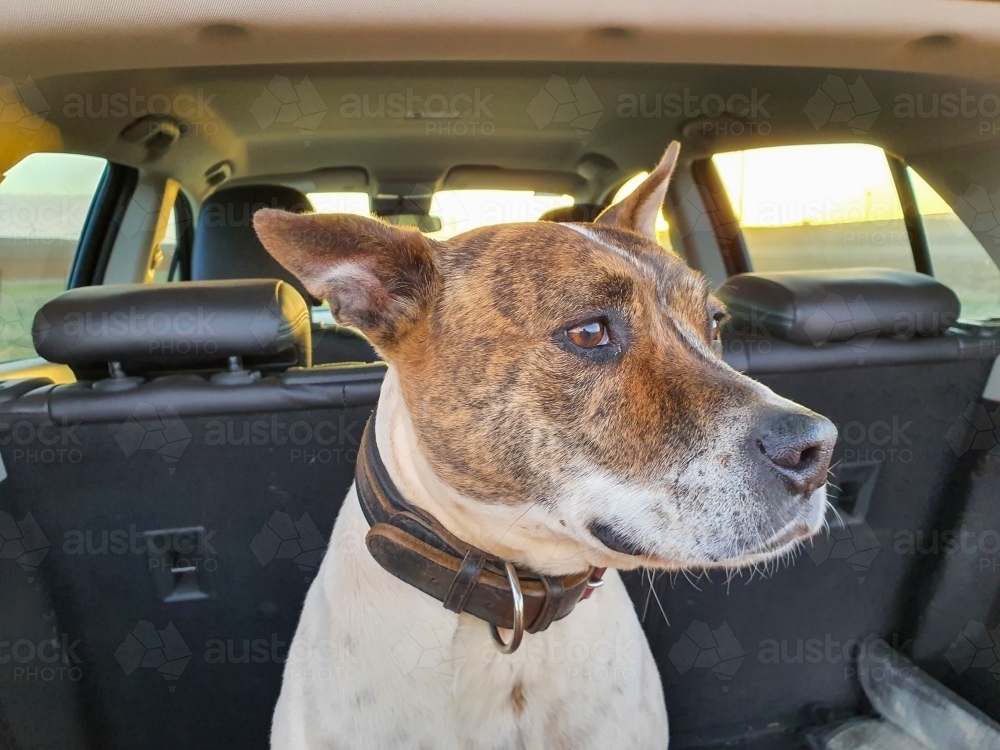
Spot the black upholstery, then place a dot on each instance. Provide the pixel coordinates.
(859, 318)
(578, 212)
(958, 610)
(174, 327)
(168, 528)
(294, 389)
(225, 244)
(164, 532)
(226, 247)
(818, 307)
(262, 468)
(333, 343)
(761, 354)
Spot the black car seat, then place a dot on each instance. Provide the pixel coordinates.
(578, 212)
(159, 527)
(226, 247)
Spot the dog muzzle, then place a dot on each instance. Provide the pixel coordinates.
(418, 550)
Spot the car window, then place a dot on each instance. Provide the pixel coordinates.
(462, 210)
(959, 260)
(340, 203)
(458, 210)
(44, 201)
(815, 207)
(662, 225)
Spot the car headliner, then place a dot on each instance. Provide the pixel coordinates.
(946, 36)
(231, 51)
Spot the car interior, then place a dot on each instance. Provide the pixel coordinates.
(170, 476)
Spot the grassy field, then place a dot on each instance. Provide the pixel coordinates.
(19, 301)
(31, 273)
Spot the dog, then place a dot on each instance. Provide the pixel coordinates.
(554, 400)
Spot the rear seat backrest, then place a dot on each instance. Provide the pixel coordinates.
(873, 351)
(188, 629)
(226, 247)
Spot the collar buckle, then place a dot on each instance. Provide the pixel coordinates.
(518, 632)
(595, 582)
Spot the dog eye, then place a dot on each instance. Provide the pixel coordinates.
(589, 335)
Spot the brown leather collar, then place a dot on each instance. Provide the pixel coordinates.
(417, 549)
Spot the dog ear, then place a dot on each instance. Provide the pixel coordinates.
(375, 276)
(638, 212)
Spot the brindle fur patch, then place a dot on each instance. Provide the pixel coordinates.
(517, 699)
(501, 410)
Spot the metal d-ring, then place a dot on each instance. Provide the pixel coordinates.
(515, 639)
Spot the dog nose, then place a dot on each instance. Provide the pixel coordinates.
(797, 445)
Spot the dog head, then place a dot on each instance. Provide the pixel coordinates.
(572, 366)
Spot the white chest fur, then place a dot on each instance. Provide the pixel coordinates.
(376, 664)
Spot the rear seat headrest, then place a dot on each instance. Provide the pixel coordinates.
(816, 307)
(225, 243)
(578, 212)
(175, 327)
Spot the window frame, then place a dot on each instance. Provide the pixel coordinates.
(734, 252)
(180, 264)
(101, 226)
(912, 219)
(732, 245)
